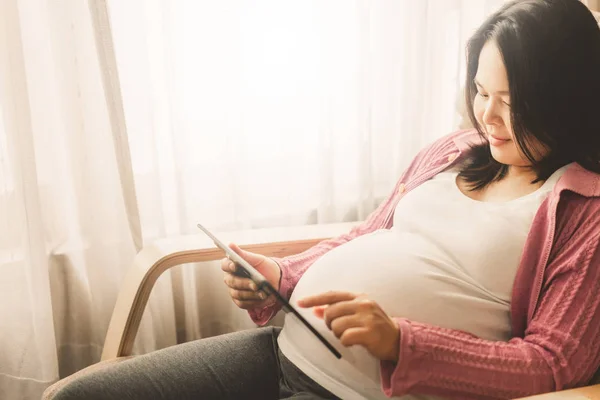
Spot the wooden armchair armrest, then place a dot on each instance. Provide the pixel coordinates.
(157, 258)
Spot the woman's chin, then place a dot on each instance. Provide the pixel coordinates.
(506, 157)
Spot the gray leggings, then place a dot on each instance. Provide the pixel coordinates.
(240, 365)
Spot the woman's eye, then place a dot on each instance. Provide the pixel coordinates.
(485, 96)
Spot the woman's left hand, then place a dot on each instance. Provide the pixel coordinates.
(357, 320)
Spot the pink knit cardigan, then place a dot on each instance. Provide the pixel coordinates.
(555, 308)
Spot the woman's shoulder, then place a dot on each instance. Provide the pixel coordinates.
(452, 143)
(443, 150)
(455, 141)
(580, 181)
(577, 215)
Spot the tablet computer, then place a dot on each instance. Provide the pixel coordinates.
(245, 269)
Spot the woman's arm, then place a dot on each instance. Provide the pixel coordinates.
(293, 267)
(561, 347)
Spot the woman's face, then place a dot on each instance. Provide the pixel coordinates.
(492, 109)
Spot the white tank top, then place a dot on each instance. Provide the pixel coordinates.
(448, 261)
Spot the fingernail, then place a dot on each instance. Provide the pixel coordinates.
(253, 286)
(319, 312)
(262, 295)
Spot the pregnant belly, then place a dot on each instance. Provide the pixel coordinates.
(408, 277)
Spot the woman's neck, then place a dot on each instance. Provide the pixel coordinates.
(516, 183)
(521, 174)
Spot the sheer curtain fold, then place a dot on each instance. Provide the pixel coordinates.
(66, 241)
(24, 321)
(126, 121)
(114, 103)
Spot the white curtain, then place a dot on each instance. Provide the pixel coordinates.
(246, 114)
(239, 114)
(65, 240)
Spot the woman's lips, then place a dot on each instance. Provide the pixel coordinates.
(496, 141)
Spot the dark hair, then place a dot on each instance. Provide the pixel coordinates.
(551, 52)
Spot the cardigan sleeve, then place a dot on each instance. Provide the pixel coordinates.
(560, 348)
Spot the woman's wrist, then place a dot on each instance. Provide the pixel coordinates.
(280, 272)
(394, 353)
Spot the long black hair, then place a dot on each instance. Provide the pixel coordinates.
(551, 52)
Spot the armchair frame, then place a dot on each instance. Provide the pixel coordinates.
(148, 267)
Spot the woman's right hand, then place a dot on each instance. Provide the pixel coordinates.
(241, 289)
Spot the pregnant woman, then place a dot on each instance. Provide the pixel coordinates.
(477, 278)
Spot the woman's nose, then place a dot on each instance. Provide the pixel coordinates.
(491, 115)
